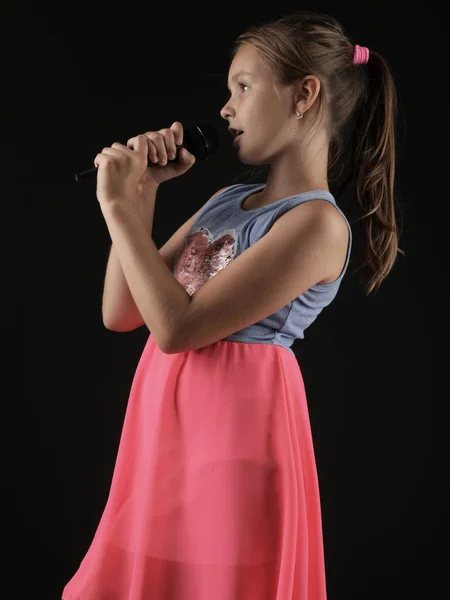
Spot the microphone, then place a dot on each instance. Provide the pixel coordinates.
(200, 140)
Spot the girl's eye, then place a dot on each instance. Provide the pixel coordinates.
(243, 85)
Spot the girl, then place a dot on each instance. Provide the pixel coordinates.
(215, 492)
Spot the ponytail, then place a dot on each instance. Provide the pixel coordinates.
(374, 169)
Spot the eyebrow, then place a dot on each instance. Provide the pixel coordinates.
(236, 75)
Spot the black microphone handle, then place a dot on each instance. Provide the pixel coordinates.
(200, 140)
(91, 172)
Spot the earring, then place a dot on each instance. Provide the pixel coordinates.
(299, 116)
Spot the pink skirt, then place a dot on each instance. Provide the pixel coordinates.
(215, 493)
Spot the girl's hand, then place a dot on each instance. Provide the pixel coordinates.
(123, 171)
(162, 151)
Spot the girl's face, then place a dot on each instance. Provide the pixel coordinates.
(264, 111)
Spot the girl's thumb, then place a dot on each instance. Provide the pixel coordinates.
(187, 156)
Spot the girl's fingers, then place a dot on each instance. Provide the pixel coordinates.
(162, 144)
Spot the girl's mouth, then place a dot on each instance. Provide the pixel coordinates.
(237, 138)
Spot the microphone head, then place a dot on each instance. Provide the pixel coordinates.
(201, 140)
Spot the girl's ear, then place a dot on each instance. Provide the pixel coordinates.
(306, 92)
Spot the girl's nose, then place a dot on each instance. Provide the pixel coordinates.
(226, 111)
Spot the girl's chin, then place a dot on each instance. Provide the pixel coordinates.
(251, 161)
(248, 159)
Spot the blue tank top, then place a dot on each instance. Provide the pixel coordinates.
(223, 230)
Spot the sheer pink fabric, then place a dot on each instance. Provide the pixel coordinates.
(215, 492)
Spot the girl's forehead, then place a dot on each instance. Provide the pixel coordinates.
(247, 60)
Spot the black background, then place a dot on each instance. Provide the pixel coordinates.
(79, 77)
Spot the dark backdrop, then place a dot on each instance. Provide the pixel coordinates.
(80, 77)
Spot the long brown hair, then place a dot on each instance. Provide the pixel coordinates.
(362, 96)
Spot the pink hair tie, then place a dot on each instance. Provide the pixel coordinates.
(361, 55)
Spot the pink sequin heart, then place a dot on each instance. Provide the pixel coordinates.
(203, 257)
